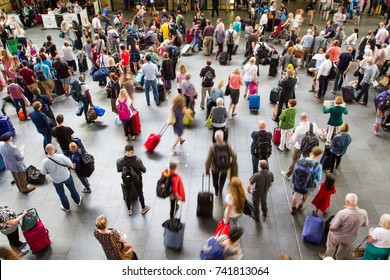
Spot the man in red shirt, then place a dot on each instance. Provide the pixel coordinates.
(125, 58)
(178, 192)
(28, 76)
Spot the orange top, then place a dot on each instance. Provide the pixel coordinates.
(334, 53)
(235, 81)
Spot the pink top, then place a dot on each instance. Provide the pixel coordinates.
(179, 78)
(334, 53)
(15, 90)
(235, 81)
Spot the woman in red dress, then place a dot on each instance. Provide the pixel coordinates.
(322, 199)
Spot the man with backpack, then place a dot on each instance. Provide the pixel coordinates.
(207, 74)
(301, 132)
(261, 147)
(221, 157)
(230, 38)
(173, 52)
(330, 32)
(43, 75)
(46, 103)
(63, 134)
(80, 93)
(306, 172)
(132, 168)
(178, 191)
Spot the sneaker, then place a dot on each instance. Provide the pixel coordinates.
(293, 210)
(280, 149)
(23, 252)
(334, 92)
(284, 174)
(321, 256)
(85, 190)
(64, 209)
(78, 204)
(130, 212)
(23, 245)
(145, 209)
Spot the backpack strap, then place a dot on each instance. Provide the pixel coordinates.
(311, 128)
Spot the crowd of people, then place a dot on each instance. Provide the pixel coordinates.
(125, 56)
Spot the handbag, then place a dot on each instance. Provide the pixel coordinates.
(126, 251)
(359, 252)
(61, 35)
(209, 121)
(100, 74)
(99, 111)
(357, 72)
(222, 229)
(227, 90)
(248, 208)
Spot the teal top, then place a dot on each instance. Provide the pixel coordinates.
(336, 114)
(287, 118)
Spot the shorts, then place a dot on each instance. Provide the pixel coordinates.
(235, 95)
(247, 84)
(49, 84)
(72, 64)
(66, 81)
(32, 86)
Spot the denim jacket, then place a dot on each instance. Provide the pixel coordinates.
(340, 143)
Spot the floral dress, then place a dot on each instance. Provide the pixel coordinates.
(108, 247)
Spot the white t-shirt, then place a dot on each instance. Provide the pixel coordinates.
(229, 200)
(249, 72)
(68, 53)
(83, 88)
(382, 237)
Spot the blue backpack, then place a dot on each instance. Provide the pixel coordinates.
(303, 178)
(212, 250)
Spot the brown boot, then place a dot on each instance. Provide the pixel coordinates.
(28, 189)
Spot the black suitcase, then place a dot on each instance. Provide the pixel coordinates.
(205, 202)
(235, 48)
(325, 159)
(161, 92)
(348, 93)
(327, 226)
(273, 66)
(223, 58)
(274, 95)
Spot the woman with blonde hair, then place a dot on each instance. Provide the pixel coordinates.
(336, 116)
(250, 74)
(6, 59)
(66, 30)
(178, 110)
(125, 113)
(298, 20)
(20, 34)
(235, 201)
(112, 241)
(235, 81)
(15, 66)
(378, 241)
(362, 66)
(180, 76)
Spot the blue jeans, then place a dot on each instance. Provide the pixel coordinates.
(198, 42)
(338, 83)
(46, 138)
(19, 103)
(85, 108)
(364, 93)
(167, 84)
(61, 192)
(108, 23)
(255, 163)
(153, 84)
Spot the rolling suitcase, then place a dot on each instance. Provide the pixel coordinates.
(153, 139)
(35, 233)
(174, 232)
(235, 48)
(205, 202)
(254, 102)
(161, 92)
(140, 79)
(136, 122)
(276, 136)
(188, 36)
(186, 49)
(274, 95)
(223, 58)
(347, 91)
(325, 159)
(273, 66)
(313, 229)
(6, 125)
(58, 88)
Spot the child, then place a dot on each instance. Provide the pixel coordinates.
(181, 76)
(75, 157)
(322, 199)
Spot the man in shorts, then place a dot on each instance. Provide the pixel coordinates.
(63, 73)
(48, 84)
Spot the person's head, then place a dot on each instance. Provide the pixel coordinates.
(236, 71)
(339, 100)
(188, 76)
(218, 136)
(335, 43)
(292, 103)
(290, 73)
(237, 192)
(356, 30)
(101, 222)
(235, 234)
(368, 53)
(37, 105)
(208, 62)
(321, 50)
(351, 200)
(73, 147)
(298, 41)
(220, 84)
(19, 46)
(329, 181)
(66, 43)
(299, 12)
(290, 50)
(60, 118)
(182, 69)
(123, 94)
(82, 78)
(344, 127)
(166, 56)
(349, 49)
(381, 25)
(304, 117)
(129, 150)
(6, 137)
(178, 101)
(173, 165)
(36, 91)
(50, 150)
(9, 81)
(262, 125)
(384, 221)
(263, 164)
(316, 152)
(252, 60)
(219, 102)
(111, 62)
(370, 61)
(148, 57)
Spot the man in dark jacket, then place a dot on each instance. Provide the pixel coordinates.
(261, 145)
(41, 122)
(63, 134)
(287, 86)
(207, 74)
(46, 103)
(132, 168)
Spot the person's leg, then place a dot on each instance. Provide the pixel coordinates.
(16, 105)
(140, 194)
(256, 210)
(294, 158)
(125, 125)
(336, 82)
(131, 127)
(203, 92)
(342, 251)
(320, 86)
(155, 91)
(23, 106)
(264, 207)
(341, 81)
(230, 51)
(173, 208)
(21, 180)
(332, 161)
(147, 88)
(85, 182)
(47, 138)
(61, 193)
(326, 81)
(215, 176)
(222, 180)
(14, 175)
(366, 91)
(288, 135)
(69, 183)
(14, 241)
(255, 164)
(331, 244)
(338, 161)
(331, 130)
(282, 139)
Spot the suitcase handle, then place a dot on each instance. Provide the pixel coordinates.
(203, 183)
(162, 131)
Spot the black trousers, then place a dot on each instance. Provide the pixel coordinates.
(127, 190)
(257, 201)
(230, 51)
(13, 239)
(173, 208)
(335, 161)
(128, 126)
(219, 179)
(215, 8)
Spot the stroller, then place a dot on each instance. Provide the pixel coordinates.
(279, 34)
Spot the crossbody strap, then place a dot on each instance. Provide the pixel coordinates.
(63, 165)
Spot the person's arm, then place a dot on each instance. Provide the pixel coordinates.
(17, 219)
(228, 211)
(88, 95)
(349, 66)
(209, 160)
(326, 110)
(142, 167)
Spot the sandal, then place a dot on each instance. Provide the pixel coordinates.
(182, 141)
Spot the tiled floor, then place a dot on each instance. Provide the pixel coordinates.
(364, 171)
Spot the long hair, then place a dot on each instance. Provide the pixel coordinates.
(237, 192)
(15, 63)
(329, 181)
(123, 94)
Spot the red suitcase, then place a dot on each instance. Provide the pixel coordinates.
(189, 38)
(277, 135)
(153, 140)
(38, 236)
(136, 122)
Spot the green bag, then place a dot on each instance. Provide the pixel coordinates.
(209, 121)
(61, 35)
(30, 220)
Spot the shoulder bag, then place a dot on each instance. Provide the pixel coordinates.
(359, 252)
(126, 252)
(227, 89)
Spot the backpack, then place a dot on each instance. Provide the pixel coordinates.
(309, 142)
(262, 51)
(87, 165)
(75, 91)
(40, 74)
(174, 50)
(362, 45)
(212, 250)
(302, 178)
(129, 176)
(164, 185)
(222, 157)
(333, 71)
(208, 79)
(123, 110)
(230, 38)
(262, 147)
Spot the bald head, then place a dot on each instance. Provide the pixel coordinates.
(304, 117)
(218, 136)
(351, 200)
(262, 125)
(50, 150)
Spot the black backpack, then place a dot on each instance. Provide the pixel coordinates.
(333, 71)
(164, 185)
(87, 165)
(262, 51)
(222, 156)
(129, 176)
(262, 147)
(303, 178)
(208, 79)
(75, 91)
(40, 74)
(309, 142)
(230, 38)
